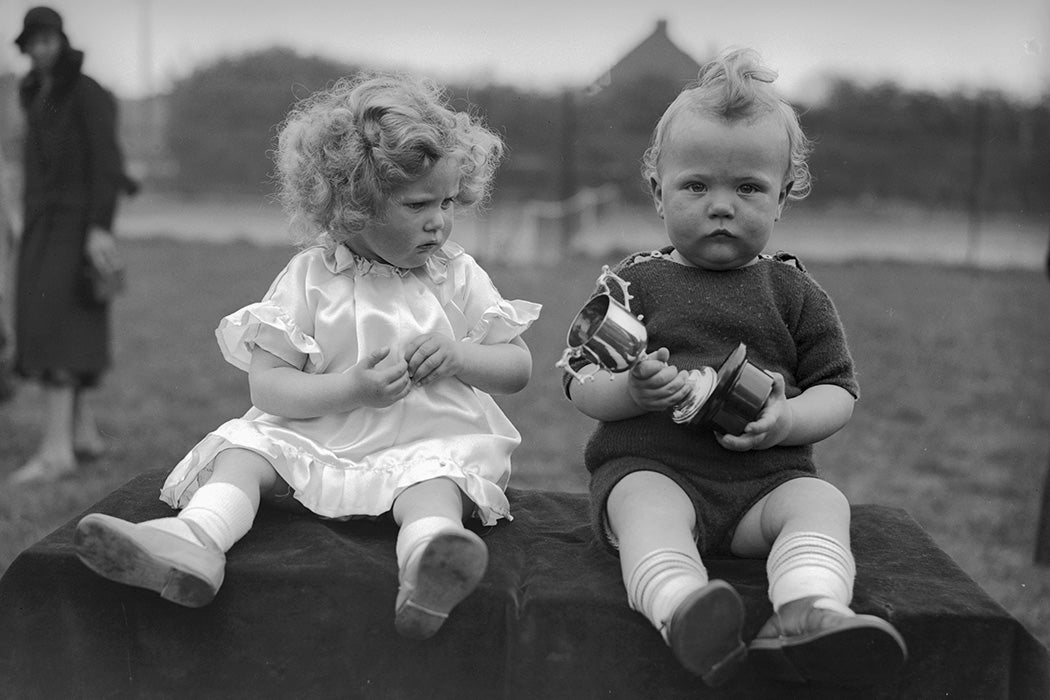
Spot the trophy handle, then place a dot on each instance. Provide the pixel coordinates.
(567, 356)
(605, 332)
(603, 285)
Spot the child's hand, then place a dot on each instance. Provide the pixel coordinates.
(770, 428)
(379, 387)
(433, 356)
(655, 385)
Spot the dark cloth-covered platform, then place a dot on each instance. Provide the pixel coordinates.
(307, 612)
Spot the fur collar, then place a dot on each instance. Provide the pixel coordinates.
(64, 76)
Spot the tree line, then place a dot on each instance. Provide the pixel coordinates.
(872, 142)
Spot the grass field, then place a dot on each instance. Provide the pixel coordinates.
(953, 423)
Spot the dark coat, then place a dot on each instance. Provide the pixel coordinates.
(73, 171)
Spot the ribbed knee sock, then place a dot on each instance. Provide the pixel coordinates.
(222, 511)
(661, 581)
(412, 537)
(803, 564)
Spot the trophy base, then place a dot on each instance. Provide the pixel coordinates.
(740, 391)
(702, 383)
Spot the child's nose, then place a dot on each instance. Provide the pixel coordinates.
(436, 221)
(720, 204)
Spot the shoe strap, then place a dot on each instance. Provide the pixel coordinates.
(422, 608)
(205, 539)
(834, 606)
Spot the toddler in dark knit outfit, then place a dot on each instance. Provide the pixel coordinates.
(725, 158)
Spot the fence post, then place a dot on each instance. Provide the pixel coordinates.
(1042, 535)
(980, 127)
(567, 182)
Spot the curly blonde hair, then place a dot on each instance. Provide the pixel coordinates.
(342, 151)
(736, 86)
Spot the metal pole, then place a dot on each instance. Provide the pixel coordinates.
(980, 126)
(1042, 535)
(568, 184)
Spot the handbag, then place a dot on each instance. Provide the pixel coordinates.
(104, 286)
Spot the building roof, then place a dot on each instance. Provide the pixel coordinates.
(656, 55)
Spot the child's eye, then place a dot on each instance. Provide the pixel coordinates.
(749, 188)
(446, 203)
(697, 187)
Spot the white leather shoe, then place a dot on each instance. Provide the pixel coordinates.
(449, 569)
(139, 555)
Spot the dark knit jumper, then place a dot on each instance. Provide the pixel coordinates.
(789, 325)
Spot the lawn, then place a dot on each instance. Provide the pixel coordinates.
(953, 424)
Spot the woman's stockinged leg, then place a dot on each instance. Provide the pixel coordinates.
(652, 521)
(87, 439)
(57, 442)
(440, 562)
(54, 456)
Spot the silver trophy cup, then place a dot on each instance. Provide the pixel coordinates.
(608, 335)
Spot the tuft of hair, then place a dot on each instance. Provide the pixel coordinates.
(737, 86)
(343, 150)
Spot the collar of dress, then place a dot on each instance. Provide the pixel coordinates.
(340, 259)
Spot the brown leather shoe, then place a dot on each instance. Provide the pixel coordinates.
(139, 555)
(818, 639)
(704, 633)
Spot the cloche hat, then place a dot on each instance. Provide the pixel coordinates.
(38, 19)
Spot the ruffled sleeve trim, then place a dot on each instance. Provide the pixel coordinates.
(504, 322)
(265, 325)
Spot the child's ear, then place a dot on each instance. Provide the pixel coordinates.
(657, 192)
(784, 197)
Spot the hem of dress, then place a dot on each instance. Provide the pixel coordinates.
(490, 501)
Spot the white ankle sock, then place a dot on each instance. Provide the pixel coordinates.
(412, 537)
(222, 511)
(661, 581)
(803, 564)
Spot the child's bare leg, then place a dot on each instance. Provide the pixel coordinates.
(183, 557)
(803, 525)
(439, 561)
(653, 520)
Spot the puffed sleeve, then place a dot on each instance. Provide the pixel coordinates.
(282, 323)
(491, 319)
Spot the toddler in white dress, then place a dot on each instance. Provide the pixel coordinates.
(370, 361)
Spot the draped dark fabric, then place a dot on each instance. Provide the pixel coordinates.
(307, 611)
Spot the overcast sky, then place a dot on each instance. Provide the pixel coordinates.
(941, 45)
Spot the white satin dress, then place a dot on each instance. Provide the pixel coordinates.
(328, 310)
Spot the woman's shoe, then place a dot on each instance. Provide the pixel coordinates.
(41, 470)
(449, 569)
(819, 639)
(704, 633)
(89, 450)
(140, 555)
